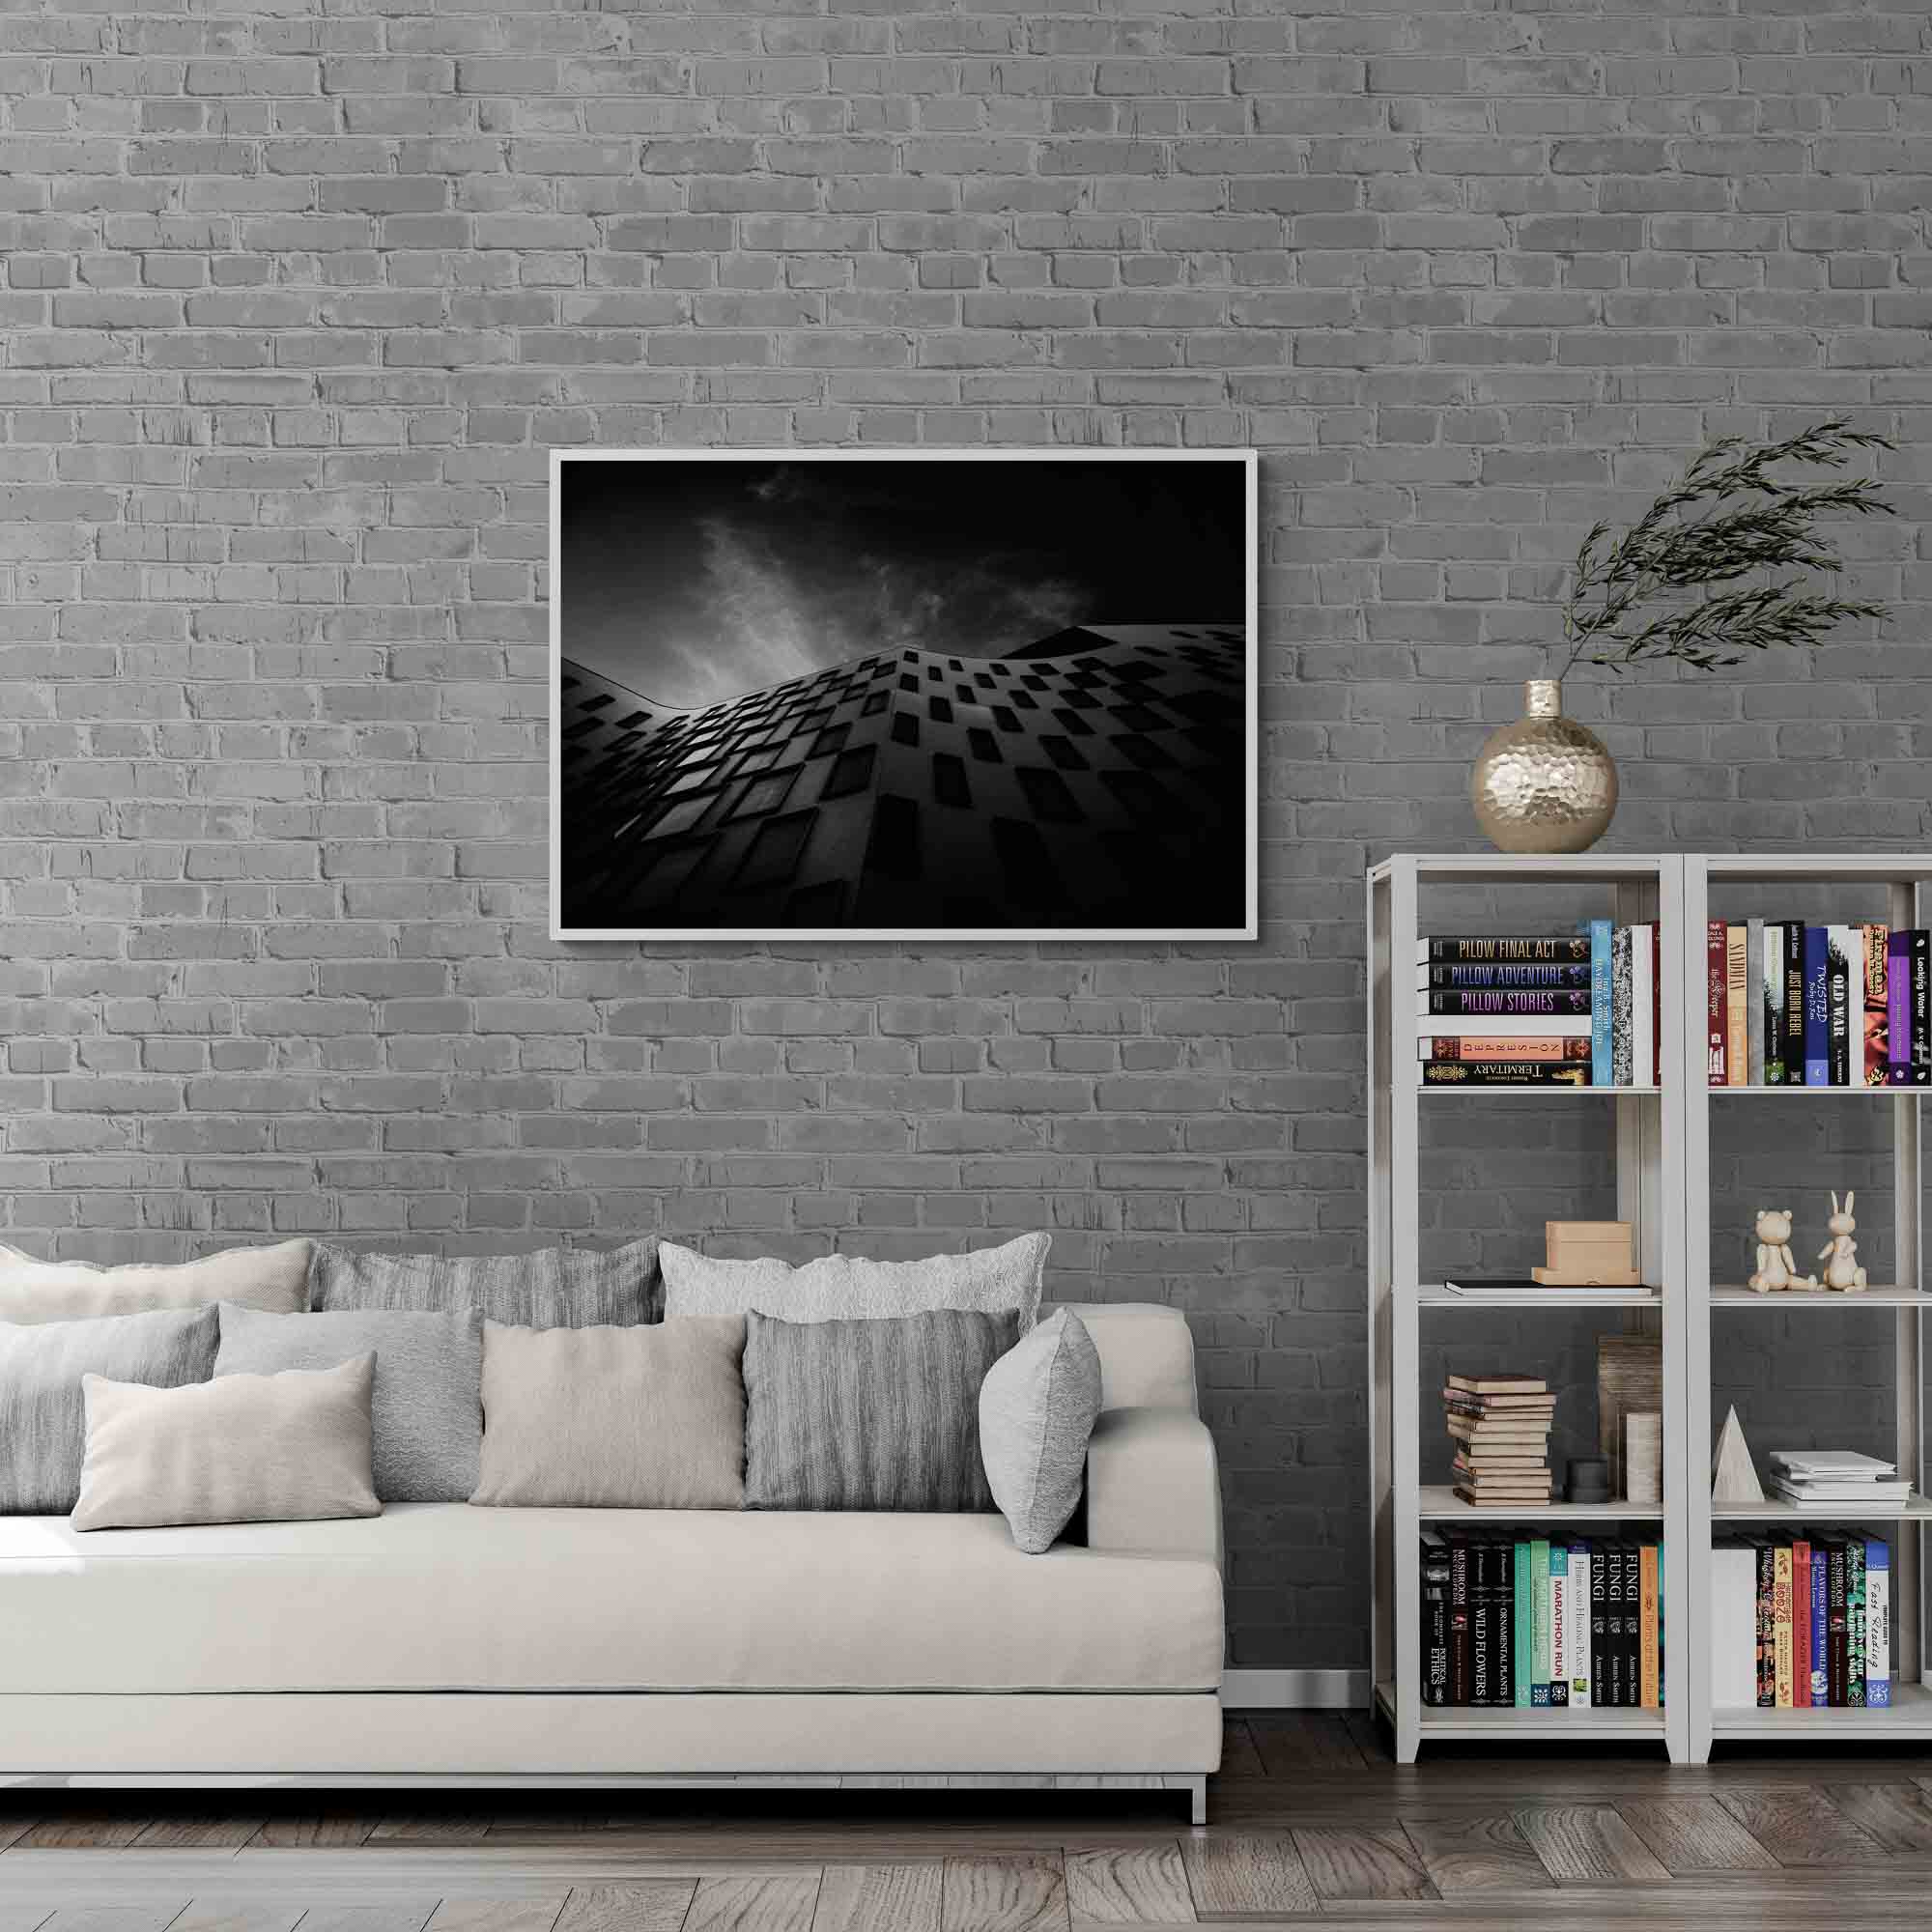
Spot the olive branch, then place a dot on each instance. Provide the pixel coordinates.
(1725, 518)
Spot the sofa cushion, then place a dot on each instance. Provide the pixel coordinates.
(427, 1406)
(43, 1409)
(281, 1448)
(1036, 1409)
(274, 1277)
(615, 1418)
(869, 1415)
(843, 1287)
(438, 1595)
(552, 1288)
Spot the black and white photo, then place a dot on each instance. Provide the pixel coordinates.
(908, 695)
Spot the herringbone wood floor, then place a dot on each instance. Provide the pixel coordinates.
(1311, 1821)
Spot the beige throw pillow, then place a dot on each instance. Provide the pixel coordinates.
(292, 1447)
(615, 1418)
(273, 1278)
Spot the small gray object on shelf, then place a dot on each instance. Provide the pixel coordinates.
(1588, 1480)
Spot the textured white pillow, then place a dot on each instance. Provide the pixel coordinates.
(1038, 1407)
(272, 1278)
(840, 1288)
(294, 1447)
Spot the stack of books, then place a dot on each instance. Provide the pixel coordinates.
(1801, 1623)
(1512, 1619)
(1837, 1476)
(1567, 1010)
(1791, 1005)
(1499, 1426)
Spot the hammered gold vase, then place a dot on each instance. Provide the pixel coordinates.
(1544, 783)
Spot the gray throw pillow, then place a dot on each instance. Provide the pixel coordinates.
(1038, 1407)
(427, 1406)
(285, 1448)
(878, 1414)
(615, 1418)
(836, 1288)
(555, 1287)
(268, 1277)
(42, 1412)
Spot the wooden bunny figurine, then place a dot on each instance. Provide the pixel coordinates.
(1776, 1272)
(1842, 1256)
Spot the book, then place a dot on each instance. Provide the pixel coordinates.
(1559, 1625)
(1516, 979)
(1600, 1594)
(1510, 1005)
(1921, 1006)
(1766, 1626)
(1736, 1009)
(1581, 1564)
(1650, 1683)
(1515, 949)
(1716, 1009)
(1794, 1002)
(1482, 1623)
(1539, 1028)
(1435, 1620)
(1553, 1290)
(1801, 1625)
(1845, 1465)
(1458, 1622)
(1817, 1007)
(1899, 1009)
(1551, 1049)
(1643, 1005)
(1502, 1593)
(1539, 1621)
(1820, 1621)
(1733, 1626)
(1520, 1621)
(1623, 1009)
(1855, 1623)
(1754, 1048)
(1772, 987)
(1837, 1636)
(1504, 1074)
(1780, 1626)
(1603, 1002)
(1497, 1384)
(1845, 970)
(1483, 1500)
(1877, 1625)
(1877, 1026)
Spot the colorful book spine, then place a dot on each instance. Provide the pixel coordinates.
(1838, 1633)
(1539, 1622)
(1649, 1684)
(1737, 1008)
(1553, 1049)
(1767, 1627)
(1877, 1625)
(1801, 1625)
(1820, 1623)
(1507, 950)
(1502, 1585)
(1817, 1007)
(1582, 1612)
(1716, 1009)
(1615, 1659)
(1643, 1003)
(1772, 986)
(1520, 1621)
(1855, 1623)
(1505, 1073)
(1754, 1043)
(1845, 964)
(1877, 1018)
(1560, 1004)
(1559, 1625)
(1483, 1624)
(1794, 1003)
(1434, 1623)
(1459, 1622)
(1898, 1009)
(1603, 1002)
(1511, 979)
(1921, 1007)
(1623, 1009)
(1600, 1625)
(1782, 1650)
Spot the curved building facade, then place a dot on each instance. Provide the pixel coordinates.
(1096, 779)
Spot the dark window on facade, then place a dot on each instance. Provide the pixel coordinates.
(1072, 721)
(582, 728)
(963, 692)
(1082, 701)
(570, 683)
(763, 795)
(1144, 800)
(949, 779)
(682, 815)
(1063, 754)
(985, 747)
(1025, 699)
(851, 771)
(905, 729)
(774, 852)
(940, 709)
(875, 703)
(632, 723)
(831, 739)
(1141, 751)
(1138, 718)
(598, 702)
(983, 680)
(1047, 793)
(1005, 718)
(758, 758)
(894, 849)
(1034, 682)
(955, 664)
(908, 684)
(693, 775)
(933, 674)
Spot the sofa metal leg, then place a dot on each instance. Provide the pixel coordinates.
(1197, 1799)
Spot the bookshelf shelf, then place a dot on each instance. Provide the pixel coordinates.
(1441, 1504)
(1644, 1123)
(1875, 1296)
(1817, 1093)
(1915, 1509)
(1908, 1717)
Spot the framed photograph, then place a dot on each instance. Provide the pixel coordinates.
(903, 695)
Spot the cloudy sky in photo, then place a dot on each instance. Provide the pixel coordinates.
(694, 581)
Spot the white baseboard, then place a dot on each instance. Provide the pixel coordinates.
(1294, 1690)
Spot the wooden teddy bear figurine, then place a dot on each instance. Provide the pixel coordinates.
(1842, 1256)
(1777, 1271)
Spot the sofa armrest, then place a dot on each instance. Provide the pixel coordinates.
(1146, 1354)
(1153, 1485)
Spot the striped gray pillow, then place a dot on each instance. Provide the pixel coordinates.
(44, 1411)
(555, 1287)
(869, 1414)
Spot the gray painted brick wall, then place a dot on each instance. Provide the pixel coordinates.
(297, 301)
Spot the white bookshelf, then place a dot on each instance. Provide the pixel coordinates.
(1890, 889)
(1648, 1123)
(1664, 1138)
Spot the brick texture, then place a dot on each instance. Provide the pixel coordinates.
(297, 301)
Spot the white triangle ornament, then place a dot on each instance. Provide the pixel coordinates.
(1733, 1476)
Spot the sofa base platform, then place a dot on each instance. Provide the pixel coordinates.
(747, 1739)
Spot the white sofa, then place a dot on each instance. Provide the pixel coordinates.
(445, 1645)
